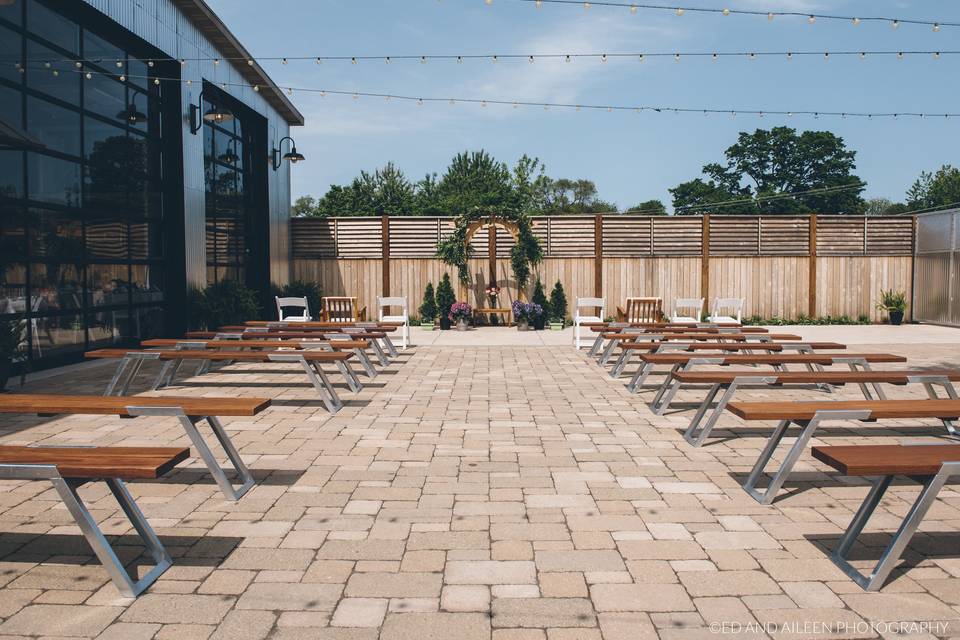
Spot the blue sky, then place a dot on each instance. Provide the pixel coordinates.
(631, 157)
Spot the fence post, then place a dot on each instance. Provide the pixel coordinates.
(705, 258)
(385, 231)
(598, 256)
(812, 277)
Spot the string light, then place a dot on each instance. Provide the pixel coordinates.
(680, 11)
(811, 19)
(895, 24)
(936, 27)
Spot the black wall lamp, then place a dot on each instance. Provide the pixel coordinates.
(293, 155)
(215, 114)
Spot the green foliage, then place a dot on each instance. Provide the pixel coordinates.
(564, 196)
(12, 335)
(223, 303)
(803, 319)
(301, 289)
(428, 308)
(772, 162)
(935, 190)
(891, 300)
(304, 206)
(445, 296)
(558, 303)
(883, 207)
(649, 208)
(539, 295)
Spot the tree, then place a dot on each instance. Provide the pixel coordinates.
(935, 190)
(540, 297)
(428, 308)
(649, 208)
(445, 300)
(304, 206)
(565, 196)
(883, 207)
(558, 303)
(766, 164)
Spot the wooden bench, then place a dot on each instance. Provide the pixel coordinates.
(931, 465)
(189, 411)
(809, 415)
(503, 312)
(295, 330)
(237, 341)
(779, 361)
(728, 382)
(68, 468)
(641, 336)
(310, 361)
(624, 327)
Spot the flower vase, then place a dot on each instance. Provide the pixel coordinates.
(523, 325)
(462, 324)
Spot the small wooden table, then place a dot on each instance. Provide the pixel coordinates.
(502, 312)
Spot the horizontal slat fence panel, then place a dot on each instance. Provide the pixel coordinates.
(737, 236)
(892, 236)
(784, 236)
(359, 238)
(313, 237)
(841, 236)
(680, 236)
(414, 237)
(625, 236)
(571, 236)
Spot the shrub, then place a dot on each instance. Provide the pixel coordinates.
(891, 300)
(428, 308)
(807, 320)
(222, 303)
(558, 303)
(460, 311)
(445, 299)
(539, 297)
(11, 339)
(302, 289)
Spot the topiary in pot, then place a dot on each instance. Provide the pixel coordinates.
(894, 303)
(540, 297)
(558, 306)
(445, 300)
(428, 308)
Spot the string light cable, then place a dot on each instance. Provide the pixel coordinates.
(547, 106)
(777, 196)
(770, 15)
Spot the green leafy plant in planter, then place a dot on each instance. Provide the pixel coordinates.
(428, 308)
(445, 300)
(11, 347)
(557, 307)
(540, 297)
(302, 289)
(894, 303)
(223, 303)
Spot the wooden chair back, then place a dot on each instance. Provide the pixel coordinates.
(644, 310)
(340, 309)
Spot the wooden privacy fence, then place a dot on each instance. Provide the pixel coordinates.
(783, 266)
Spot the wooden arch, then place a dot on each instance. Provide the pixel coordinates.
(492, 223)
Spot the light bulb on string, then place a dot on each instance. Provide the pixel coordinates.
(488, 2)
(538, 4)
(156, 81)
(386, 60)
(900, 55)
(419, 102)
(856, 22)
(770, 16)
(494, 60)
(826, 55)
(936, 27)
(55, 73)
(423, 59)
(789, 55)
(249, 63)
(284, 61)
(88, 75)
(216, 61)
(459, 59)
(936, 55)
(353, 61)
(78, 65)
(586, 5)
(483, 103)
(603, 58)
(714, 57)
(530, 60)
(119, 64)
(811, 19)
(863, 55)
(680, 11)
(895, 24)
(640, 58)
(726, 12)
(752, 56)
(676, 57)
(319, 61)
(568, 59)
(46, 65)
(633, 9)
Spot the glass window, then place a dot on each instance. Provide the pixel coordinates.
(55, 235)
(107, 239)
(65, 86)
(99, 50)
(11, 174)
(147, 283)
(149, 322)
(98, 134)
(58, 336)
(146, 240)
(55, 286)
(105, 96)
(102, 329)
(11, 107)
(53, 180)
(13, 243)
(58, 129)
(108, 285)
(53, 27)
(11, 52)
(12, 12)
(13, 287)
(138, 73)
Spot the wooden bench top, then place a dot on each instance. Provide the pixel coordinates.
(44, 403)
(729, 337)
(730, 346)
(127, 463)
(812, 377)
(297, 328)
(240, 356)
(769, 358)
(888, 459)
(678, 328)
(254, 344)
(318, 324)
(283, 335)
(905, 409)
(493, 310)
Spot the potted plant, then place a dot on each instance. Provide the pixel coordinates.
(525, 313)
(460, 314)
(428, 308)
(539, 297)
(445, 300)
(558, 307)
(11, 345)
(894, 303)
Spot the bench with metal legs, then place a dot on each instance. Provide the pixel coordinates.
(68, 468)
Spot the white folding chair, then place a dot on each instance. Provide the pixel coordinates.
(592, 304)
(726, 310)
(293, 303)
(687, 310)
(404, 317)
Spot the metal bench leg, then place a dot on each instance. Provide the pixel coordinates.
(105, 553)
(621, 363)
(891, 555)
(608, 352)
(351, 377)
(388, 343)
(865, 366)
(665, 393)
(219, 475)
(690, 434)
(378, 350)
(233, 455)
(595, 347)
(639, 377)
(930, 383)
(365, 363)
(112, 385)
(321, 383)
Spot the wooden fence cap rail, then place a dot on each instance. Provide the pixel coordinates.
(905, 409)
(777, 358)
(255, 344)
(813, 377)
(117, 405)
(240, 356)
(888, 459)
(126, 463)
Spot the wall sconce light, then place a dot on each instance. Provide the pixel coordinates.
(229, 156)
(293, 155)
(215, 114)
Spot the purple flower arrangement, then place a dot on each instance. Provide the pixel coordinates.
(528, 311)
(460, 311)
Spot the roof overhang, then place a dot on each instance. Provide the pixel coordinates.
(213, 28)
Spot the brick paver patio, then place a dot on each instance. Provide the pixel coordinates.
(473, 492)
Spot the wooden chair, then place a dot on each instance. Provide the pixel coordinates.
(342, 309)
(642, 310)
(295, 304)
(810, 415)
(933, 466)
(596, 305)
(686, 310)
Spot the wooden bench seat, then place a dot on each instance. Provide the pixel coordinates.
(68, 468)
(310, 361)
(727, 383)
(613, 328)
(809, 415)
(315, 324)
(376, 336)
(931, 465)
(189, 411)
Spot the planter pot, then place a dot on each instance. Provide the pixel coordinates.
(462, 325)
(540, 323)
(556, 326)
(523, 325)
(426, 326)
(6, 367)
(896, 317)
(444, 324)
